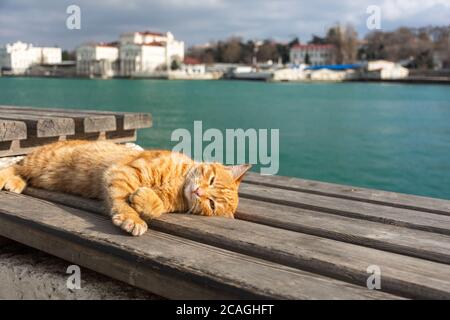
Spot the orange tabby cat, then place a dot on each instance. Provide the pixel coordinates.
(136, 185)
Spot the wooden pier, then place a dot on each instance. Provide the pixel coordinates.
(291, 239)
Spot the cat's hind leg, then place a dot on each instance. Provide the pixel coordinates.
(10, 181)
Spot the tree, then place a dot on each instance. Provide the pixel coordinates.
(345, 41)
(68, 55)
(317, 40)
(175, 65)
(267, 51)
(293, 42)
(231, 50)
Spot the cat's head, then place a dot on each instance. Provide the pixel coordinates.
(211, 189)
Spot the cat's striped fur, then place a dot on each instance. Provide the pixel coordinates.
(135, 185)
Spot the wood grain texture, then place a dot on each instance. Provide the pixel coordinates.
(415, 243)
(403, 275)
(12, 130)
(21, 147)
(84, 122)
(414, 219)
(43, 127)
(394, 199)
(164, 264)
(124, 120)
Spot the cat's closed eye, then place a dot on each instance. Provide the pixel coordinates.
(212, 204)
(212, 180)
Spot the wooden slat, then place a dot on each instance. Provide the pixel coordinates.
(43, 127)
(400, 200)
(166, 265)
(84, 122)
(136, 120)
(12, 130)
(4, 241)
(355, 209)
(415, 243)
(125, 120)
(403, 275)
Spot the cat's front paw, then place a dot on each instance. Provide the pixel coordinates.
(145, 201)
(131, 224)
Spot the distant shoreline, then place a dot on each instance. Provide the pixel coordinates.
(411, 80)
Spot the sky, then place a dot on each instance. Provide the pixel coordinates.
(43, 22)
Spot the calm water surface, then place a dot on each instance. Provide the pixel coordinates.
(385, 136)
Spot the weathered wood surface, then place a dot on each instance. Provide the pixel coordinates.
(125, 120)
(414, 219)
(41, 126)
(404, 275)
(290, 240)
(164, 264)
(416, 243)
(84, 122)
(393, 199)
(24, 128)
(12, 130)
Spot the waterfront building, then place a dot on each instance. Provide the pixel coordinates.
(17, 58)
(312, 54)
(98, 60)
(193, 66)
(382, 69)
(143, 53)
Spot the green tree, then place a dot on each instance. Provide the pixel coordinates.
(175, 65)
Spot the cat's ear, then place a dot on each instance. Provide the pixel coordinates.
(238, 171)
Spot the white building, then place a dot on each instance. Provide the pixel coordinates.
(139, 59)
(312, 54)
(19, 57)
(192, 66)
(382, 69)
(146, 52)
(99, 60)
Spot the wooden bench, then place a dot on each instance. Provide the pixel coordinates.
(291, 239)
(24, 128)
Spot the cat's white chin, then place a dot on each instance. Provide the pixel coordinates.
(189, 194)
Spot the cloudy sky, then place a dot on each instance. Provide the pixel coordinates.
(199, 21)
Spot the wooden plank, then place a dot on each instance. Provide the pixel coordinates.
(403, 275)
(84, 122)
(12, 130)
(166, 265)
(394, 199)
(355, 209)
(21, 147)
(136, 120)
(4, 241)
(415, 243)
(125, 120)
(43, 127)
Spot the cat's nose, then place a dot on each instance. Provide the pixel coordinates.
(199, 192)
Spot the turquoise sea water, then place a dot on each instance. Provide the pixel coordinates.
(385, 136)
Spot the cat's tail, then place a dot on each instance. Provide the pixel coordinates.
(11, 181)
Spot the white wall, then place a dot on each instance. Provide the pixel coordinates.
(19, 56)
